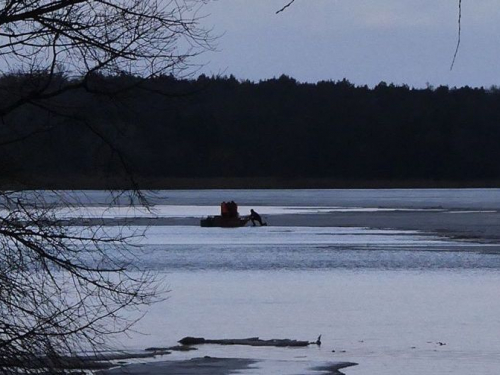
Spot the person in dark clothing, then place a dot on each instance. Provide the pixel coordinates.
(254, 216)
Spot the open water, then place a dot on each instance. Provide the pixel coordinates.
(396, 302)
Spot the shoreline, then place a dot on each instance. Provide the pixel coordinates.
(257, 183)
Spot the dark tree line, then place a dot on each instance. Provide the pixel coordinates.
(222, 127)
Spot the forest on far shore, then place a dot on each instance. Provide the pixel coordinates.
(115, 132)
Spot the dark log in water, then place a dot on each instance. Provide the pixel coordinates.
(251, 341)
(177, 348)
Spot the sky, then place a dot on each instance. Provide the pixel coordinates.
(408, 42)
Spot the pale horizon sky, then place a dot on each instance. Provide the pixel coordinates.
(366, 42)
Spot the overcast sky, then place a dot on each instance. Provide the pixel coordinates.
(366, 41)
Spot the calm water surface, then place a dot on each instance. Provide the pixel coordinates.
(396, 302)
(380, 299)
(390, 322)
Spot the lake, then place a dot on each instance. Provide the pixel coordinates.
(396, 301)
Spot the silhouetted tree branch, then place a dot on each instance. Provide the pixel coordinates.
(285, 6)
(64, 289)
(459, 34)
(81, 38)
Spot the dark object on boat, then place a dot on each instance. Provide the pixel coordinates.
(224, 222)
(251, 341)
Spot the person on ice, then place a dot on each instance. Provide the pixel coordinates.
(254, 216)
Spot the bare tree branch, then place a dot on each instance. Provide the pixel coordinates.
(285, 6)
(141, 37)
(459, 33)
(64, 289)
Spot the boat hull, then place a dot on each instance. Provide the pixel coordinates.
(224, 222)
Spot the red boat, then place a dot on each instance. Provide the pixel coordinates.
(224, 222)
(229, 217)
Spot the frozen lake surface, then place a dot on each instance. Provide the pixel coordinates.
(183, 211)
(390, 322)
(398, 302)
(480, 199)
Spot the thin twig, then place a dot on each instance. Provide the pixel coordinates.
(286, 6)
(459, 33)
